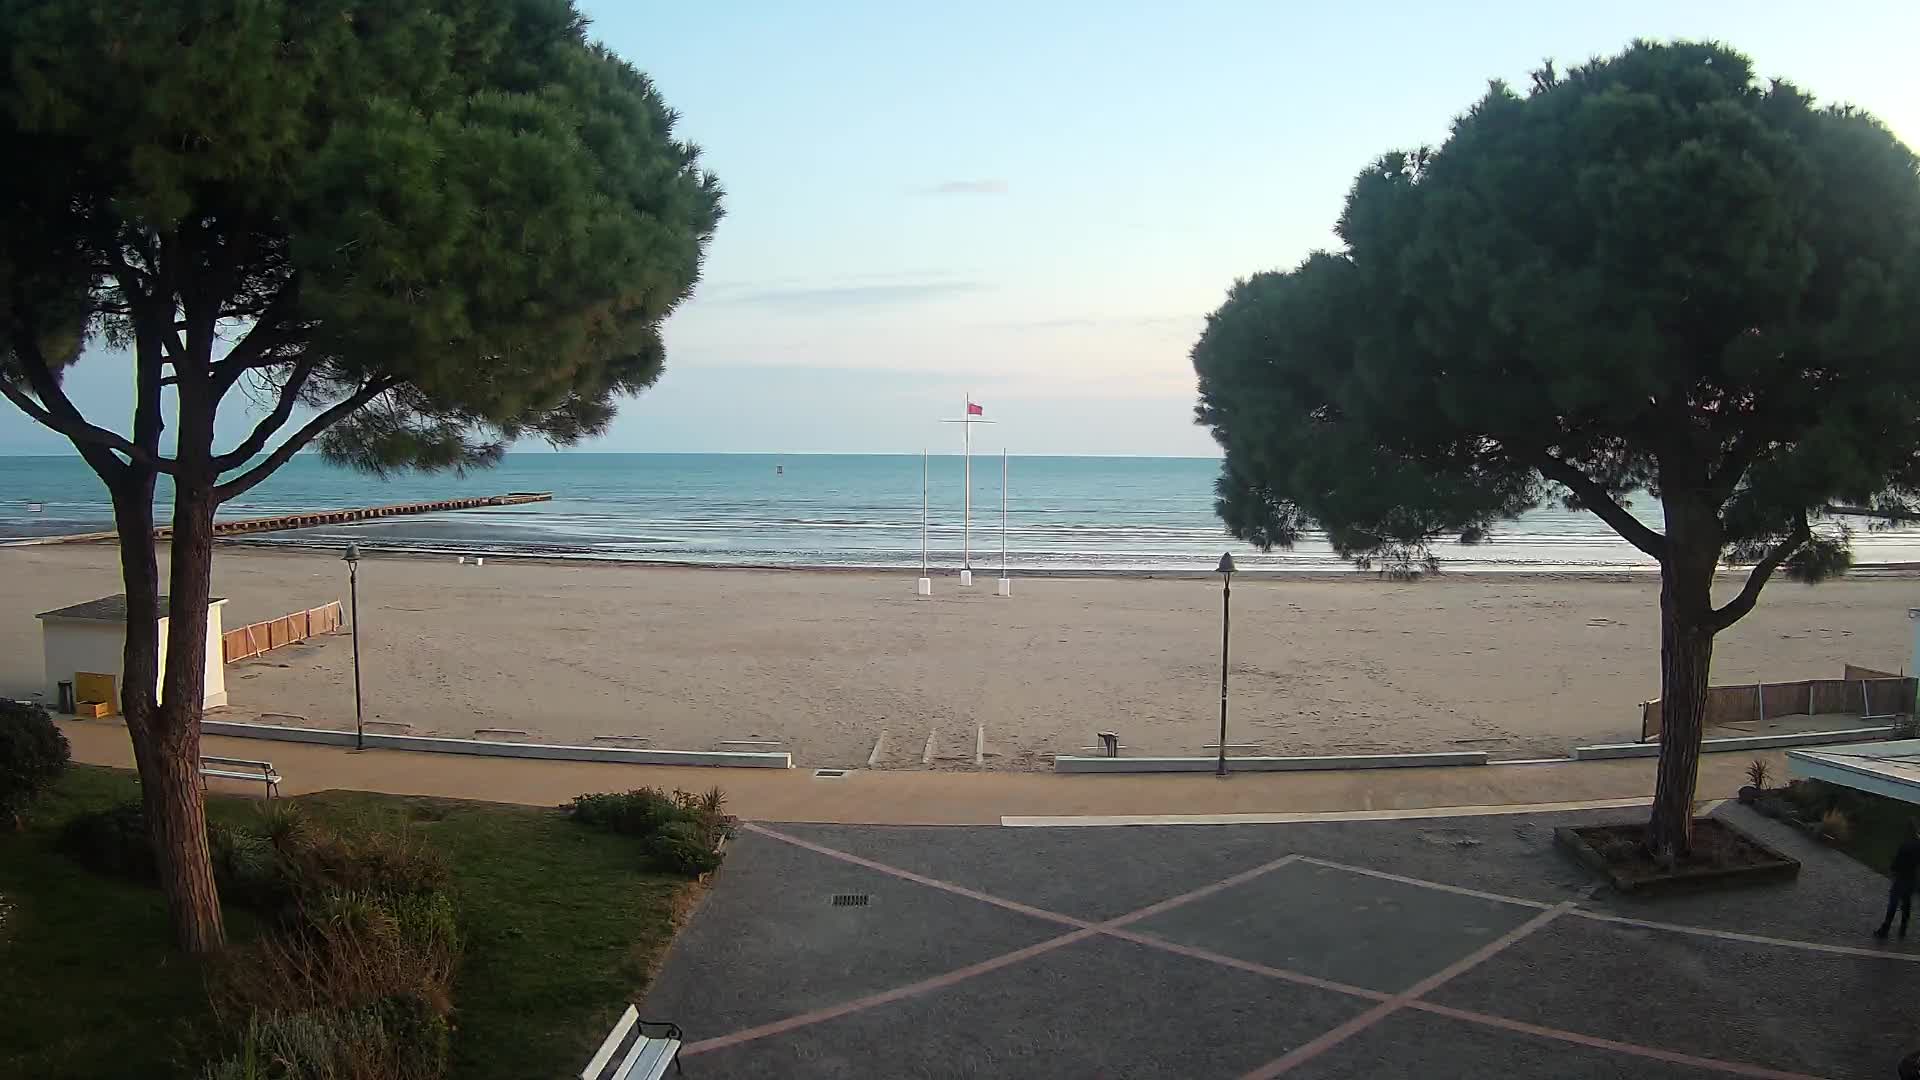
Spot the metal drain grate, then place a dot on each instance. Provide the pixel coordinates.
(853, 899)
(829, 774)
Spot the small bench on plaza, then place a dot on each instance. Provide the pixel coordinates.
(633, 1052)
(226, 768)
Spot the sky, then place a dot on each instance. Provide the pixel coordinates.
(1037, 204)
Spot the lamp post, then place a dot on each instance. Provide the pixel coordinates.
(1226, 627)
(352, 559)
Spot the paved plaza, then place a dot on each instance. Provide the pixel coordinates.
(1449, 947)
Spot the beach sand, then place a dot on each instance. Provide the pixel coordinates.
(826, 663)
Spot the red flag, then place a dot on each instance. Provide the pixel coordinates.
(975, 410)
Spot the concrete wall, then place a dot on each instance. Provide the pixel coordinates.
(72, 645)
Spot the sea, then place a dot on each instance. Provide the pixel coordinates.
(1052, 514)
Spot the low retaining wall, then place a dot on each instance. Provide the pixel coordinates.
(543, 751)
(1072, 764)
(1739, 742)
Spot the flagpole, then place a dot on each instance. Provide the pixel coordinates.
(1003, 511)
(923, 512)
(966, 516)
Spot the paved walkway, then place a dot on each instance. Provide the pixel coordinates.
(1462, 948)
(936, 798)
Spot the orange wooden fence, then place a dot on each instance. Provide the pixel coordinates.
(260, 637)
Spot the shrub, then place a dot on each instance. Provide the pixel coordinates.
(247, 867)
(320, 861)
(398, 1038)
(683, 847)
(1835, 826)
(346, 950)
(110, 841)
(640, 812)
(1758, 774)
(33, 754)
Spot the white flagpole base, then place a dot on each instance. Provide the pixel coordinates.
(1006, 587)
(923, 587)
(966, 577)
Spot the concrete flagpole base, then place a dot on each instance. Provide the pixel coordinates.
(1006, 586)
(966, 578)
(923, 587)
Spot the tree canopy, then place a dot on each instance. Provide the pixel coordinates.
(1653, 273)
(412, 230)
(425, 228)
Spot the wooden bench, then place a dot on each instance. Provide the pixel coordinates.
(226, 768)
(631, 1052)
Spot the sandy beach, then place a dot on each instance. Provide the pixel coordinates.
(826, 664)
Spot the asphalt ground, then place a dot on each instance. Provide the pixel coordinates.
(1449, 947)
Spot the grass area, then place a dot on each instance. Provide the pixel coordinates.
(562, 928)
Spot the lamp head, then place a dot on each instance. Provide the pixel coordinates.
(352, 556)
(1226, 563)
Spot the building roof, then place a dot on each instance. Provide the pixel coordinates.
(1889, 768)
(109, 609)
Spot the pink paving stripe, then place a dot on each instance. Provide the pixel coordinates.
(1407, 999)
(1635, 1049)
(1086, 930)
(1224, 960)
(780, 1027)
(1306, 1052)
(918, 879)
(1425, 884)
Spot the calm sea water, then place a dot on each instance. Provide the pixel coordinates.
(1063, 513)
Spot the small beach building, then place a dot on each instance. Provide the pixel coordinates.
(83, 645)
(1889, 768)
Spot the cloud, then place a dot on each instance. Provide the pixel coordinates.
(967, 187)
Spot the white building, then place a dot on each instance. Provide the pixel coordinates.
(90, 638)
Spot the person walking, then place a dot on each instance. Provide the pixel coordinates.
(1906, 869)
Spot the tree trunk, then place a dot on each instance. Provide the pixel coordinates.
(1686, 660)
(176, 809)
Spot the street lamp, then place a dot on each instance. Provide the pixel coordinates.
(1225, 570)
(352, 559)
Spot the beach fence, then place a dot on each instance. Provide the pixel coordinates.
(262, 637)
(1862, 692)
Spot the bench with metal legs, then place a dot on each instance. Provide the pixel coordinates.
(636, 1050)
(226, 768)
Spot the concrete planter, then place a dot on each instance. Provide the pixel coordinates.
(1756, 861)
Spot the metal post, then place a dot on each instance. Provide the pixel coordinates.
(966, 515)
(923, 512)
(352, 559)
(1003, 512)
(1226, 640)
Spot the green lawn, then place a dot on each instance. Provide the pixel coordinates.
(561, 925)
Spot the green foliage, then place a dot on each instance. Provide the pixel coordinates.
(640, 812)
(683, 847)
(680, 831)
(111, 840)
(1653, 273)
(467, 203)
(33, 754)
(397, 1038)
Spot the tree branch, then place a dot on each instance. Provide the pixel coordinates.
(241, 484)
(274, 421)
(1736, 609)
(1595, 498)
(263, 335)
(56, 412)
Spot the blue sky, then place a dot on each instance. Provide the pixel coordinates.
(1038, 203)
